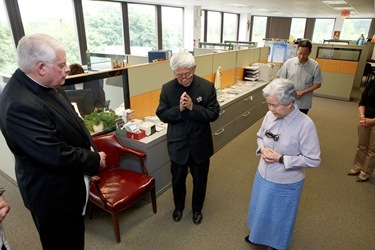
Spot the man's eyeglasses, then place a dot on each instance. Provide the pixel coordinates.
(270, 135)
(184, 75)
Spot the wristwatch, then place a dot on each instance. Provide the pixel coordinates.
(281, 159)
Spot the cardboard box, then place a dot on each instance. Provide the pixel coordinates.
(134, 136)
(148, 127)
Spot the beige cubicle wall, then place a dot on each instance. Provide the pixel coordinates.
(204, 67)
(248, 57)
(145, 81)
(342, 69)
(227, 62)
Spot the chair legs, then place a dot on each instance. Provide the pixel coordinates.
(116, 228)
(153, 200)
(115, 221)
(90, 209)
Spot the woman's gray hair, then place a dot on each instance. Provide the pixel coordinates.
(36, 48)
(182, 59)
(283, 89)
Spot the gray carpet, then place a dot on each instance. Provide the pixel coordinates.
(335, 212)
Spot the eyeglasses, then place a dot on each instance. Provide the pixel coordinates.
(270, 135)
(184, 75)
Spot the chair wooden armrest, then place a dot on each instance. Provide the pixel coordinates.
(96, 181)
(122, 150)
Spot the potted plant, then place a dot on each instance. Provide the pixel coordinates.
(96, 118)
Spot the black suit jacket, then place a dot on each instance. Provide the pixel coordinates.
(189, 132)
(50, 144)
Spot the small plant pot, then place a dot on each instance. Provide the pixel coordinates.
(98, 128)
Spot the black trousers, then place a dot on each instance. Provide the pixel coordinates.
(61, 232)
(199, 172)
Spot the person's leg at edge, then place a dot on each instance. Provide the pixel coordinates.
(368, 167)
(362, 149)
(61, 232)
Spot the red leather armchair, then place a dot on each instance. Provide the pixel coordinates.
(114, 189)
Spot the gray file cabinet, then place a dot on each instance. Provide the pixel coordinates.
(237, 115)
(157, 160)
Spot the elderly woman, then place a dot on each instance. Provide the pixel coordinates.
(287, 143)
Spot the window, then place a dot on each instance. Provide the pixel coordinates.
(230, 27)
(202, 25)
(323, 30)
(213, 27)
(297, 29)
(259, 28)
(172, 20)
(142, 29)
(353, 28)
(57, 21)
(103, 26)
(8, 62)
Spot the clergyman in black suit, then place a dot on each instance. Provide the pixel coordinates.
(54, 153)
(188, 104)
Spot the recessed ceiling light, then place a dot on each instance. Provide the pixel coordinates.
(334, 2)
(238, 5)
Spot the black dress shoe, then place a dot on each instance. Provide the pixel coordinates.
(197, 218)
(247, 240)
(177, 215)
(361, 180)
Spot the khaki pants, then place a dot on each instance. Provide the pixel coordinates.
(365, 155)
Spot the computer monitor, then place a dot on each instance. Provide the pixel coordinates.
(83, 98)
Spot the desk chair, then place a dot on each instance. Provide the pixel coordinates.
(114, 189)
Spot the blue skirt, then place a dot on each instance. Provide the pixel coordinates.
(273, 211)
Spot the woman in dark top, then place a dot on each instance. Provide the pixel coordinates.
(364, 162)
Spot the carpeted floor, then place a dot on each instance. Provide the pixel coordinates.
(335, 212)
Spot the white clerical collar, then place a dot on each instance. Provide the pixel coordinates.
(38, 82)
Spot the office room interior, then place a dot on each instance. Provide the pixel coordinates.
(127, 46)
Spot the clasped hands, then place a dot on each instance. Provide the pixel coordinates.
(366, 122)
(185, 102)
(270, 155)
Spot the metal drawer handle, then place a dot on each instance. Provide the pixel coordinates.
(222, 112)
(246, 114)
(219, 132)
(246, 99)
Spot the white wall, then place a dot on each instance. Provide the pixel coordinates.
(189, 29)
(339, 23)
(244, 34)
(7, 159)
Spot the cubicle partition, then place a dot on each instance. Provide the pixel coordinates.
(342, 68)
(227, 62)
(145, 81)
(138, 86)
